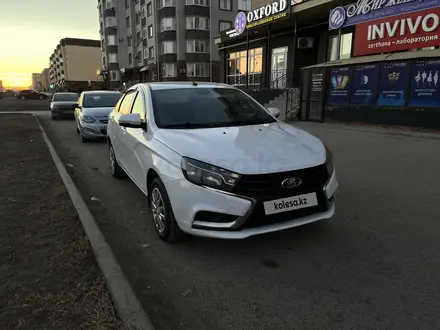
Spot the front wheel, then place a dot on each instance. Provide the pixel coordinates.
(163, 217)
(22, 97)
(115, 169)
(41, 97)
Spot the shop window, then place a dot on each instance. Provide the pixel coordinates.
(237, 69)
(344, 49)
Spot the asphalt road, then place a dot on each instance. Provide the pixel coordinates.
(13, 104)
(375, 265)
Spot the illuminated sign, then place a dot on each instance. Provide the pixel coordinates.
(267, 14)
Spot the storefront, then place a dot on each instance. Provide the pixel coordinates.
(392, 75)
(267, 46)
(360, 61)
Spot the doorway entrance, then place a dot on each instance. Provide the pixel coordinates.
(279, 67)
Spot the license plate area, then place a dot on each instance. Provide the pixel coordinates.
(290, 203)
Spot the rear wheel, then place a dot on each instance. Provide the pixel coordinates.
(41, 97)
(163, 217)
(22, 97)
(116, 170)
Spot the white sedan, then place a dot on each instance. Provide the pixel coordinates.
(214, 162)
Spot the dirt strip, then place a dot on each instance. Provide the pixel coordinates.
(49, 278)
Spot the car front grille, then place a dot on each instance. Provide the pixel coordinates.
(266, 187)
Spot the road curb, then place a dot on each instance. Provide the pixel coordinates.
(127, 304)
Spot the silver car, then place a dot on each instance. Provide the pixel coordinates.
(91, 113)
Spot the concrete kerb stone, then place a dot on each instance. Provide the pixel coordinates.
(127, 304)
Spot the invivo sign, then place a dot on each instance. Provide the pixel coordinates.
(368, 10)
(403, 32)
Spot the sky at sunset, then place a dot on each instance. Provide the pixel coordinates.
(31, 29)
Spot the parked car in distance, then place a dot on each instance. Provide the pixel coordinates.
(62, 104)
(91, 113)
(216, 163)
(30, 94)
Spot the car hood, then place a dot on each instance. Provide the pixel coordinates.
(267, 148)
(98, 112)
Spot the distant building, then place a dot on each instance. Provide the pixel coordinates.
(1, 86)
(74, 64)
(44, 82)
(35, 80)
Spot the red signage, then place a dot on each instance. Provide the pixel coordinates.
(413, 30)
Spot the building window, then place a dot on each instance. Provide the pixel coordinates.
(167, 24)
(114, 75)
(168, 47)
(112, 58)
(138, 18)
(127, 21)
(109, 4)
(139, 56)
(129, 40)
(197, 69)
(127, 4)
(110, 22)
(197, 23)
(168, 70)
(237, 69)
(111, 40)
(225, 4)
(138, 37)
(145, 53)
(245, 5)
(149, 9)
(130, 59)
(344, 49)
(167, 3)
(197, 46)
(151, 52)
(198, 2)
(144, 33)
(150, 31)
(143, 12)
(224, 26)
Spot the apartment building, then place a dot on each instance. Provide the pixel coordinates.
(74, 64)
(43, 81)
(35, 80)
(159, 40)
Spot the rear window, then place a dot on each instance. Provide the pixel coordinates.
(65, 97)
(104, 100)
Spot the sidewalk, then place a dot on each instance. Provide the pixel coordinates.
(49, 278)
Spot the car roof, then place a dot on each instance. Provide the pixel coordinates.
(184, 84)
(100, 92)
(58, 93)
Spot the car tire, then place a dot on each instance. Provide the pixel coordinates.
(160, 205)
(22, 97)
(77, 129)
(41, 97)
(83, 138)
(54, 117)
(115, 169)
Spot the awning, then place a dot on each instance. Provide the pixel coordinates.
(145, 68)
(379, 58)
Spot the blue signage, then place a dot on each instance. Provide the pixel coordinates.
(364, 85)
(393, 84)
(339, 86)
(425, 84)
(365, 10)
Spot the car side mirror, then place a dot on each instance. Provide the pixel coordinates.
(274, 112)
(132, 120)
(75, 105)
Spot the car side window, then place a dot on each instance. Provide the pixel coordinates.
(125, 107)
(139, 106)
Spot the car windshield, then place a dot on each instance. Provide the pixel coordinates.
(65, 97)
(101, 100)
(201, 107)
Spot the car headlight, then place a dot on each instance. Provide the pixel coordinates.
(88, 119)
(329, 164)
(204, 174)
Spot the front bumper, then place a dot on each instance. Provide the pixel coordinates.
(62, 112)
(239, 217)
